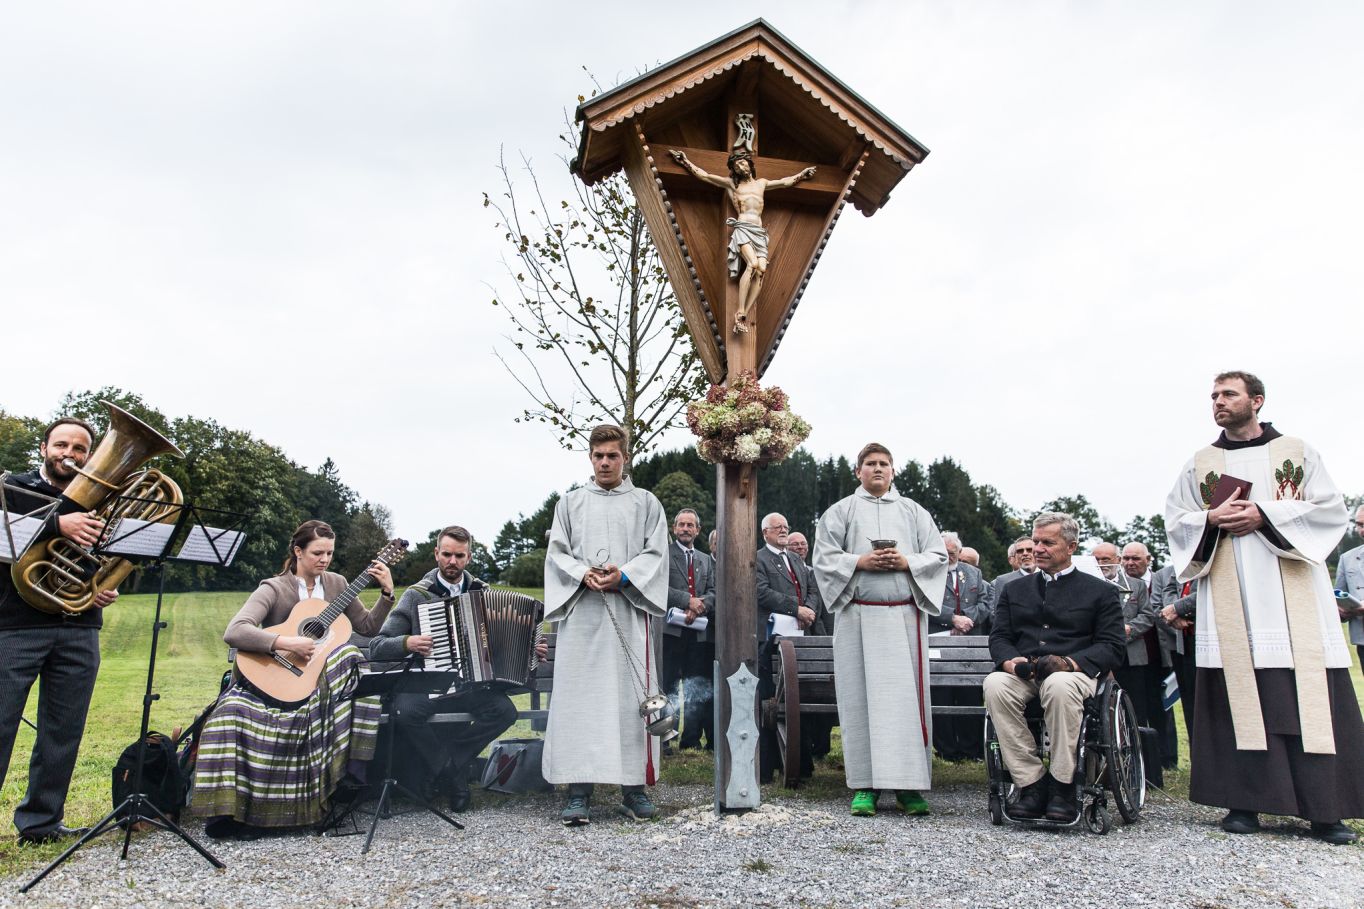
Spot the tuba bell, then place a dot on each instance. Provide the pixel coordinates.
(58, 576)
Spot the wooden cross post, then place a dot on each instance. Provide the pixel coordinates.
(828, 147)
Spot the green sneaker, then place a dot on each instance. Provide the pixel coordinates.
(636, 805)
(911, 802)
(576, 813)
(864, 803)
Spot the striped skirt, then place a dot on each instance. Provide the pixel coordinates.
(271, 767)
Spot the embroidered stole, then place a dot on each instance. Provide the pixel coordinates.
(1304, 630)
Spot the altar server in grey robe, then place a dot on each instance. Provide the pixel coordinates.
(882, 598)
(1277, 727)
(606, 582)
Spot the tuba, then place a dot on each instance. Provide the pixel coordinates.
(58, 576)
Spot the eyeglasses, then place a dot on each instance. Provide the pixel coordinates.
(781, 527)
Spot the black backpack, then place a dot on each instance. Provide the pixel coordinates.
(163, 780)
(168, 770)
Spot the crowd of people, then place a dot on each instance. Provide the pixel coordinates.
(1244, 616)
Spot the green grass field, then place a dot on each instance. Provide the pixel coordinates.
(189, 667)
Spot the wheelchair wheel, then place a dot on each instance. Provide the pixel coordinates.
(997, 778)
(1126, 769)
(1097, 819)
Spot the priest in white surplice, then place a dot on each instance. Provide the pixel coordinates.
(1277, 725)
(881, 597)
(607, 559)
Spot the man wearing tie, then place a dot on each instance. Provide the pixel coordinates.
(786, 586)
(689, 655)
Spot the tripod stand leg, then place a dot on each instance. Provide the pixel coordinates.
(104, 823)
(428, 806)
(378, 813)
(178, 831)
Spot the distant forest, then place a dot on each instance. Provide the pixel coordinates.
(233, 470)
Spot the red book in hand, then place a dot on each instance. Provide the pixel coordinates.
(1226, 485)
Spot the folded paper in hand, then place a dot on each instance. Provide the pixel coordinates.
(784, 625)
(678, 617)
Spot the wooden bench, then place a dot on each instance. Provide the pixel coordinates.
(803, 670)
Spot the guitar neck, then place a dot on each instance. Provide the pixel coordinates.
(343, 600)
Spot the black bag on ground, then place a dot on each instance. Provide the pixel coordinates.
(163, 781)
(513, 767)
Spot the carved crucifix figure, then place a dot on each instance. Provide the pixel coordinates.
(748, 238)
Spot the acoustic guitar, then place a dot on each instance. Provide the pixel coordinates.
(287, 678)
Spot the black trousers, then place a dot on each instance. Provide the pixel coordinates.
(67, 661)
(434, 745)
(687, 669)
(1187, 675)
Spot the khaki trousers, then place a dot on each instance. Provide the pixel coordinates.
(1063, 698)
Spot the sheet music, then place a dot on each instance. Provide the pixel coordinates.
(210, 544)
(23, 530)
(135, 537)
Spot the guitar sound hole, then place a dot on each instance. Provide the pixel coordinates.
(312, 629)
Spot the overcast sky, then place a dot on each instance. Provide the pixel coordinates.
(268, 214)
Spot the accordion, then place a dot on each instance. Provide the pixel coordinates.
(487, 636)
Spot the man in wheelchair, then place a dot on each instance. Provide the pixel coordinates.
(1056, 632)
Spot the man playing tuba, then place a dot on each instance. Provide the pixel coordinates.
(62, 649)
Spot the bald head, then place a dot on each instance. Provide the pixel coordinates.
(1136, 559)
(1106, 554)
(969, 556)
(796, 542)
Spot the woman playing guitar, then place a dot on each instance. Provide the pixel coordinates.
(264, 763)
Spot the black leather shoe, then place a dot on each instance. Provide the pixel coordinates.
(1337, 834)
(1061, 807)
(60, 832)
(1032, 801)
(460, 797)
(1241, 822)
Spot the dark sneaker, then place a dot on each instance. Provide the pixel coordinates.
(1031, 803)
(636, 804)
(576, 812)
(1337, 834)
(1241, 822)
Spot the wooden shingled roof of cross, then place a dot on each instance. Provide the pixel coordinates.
(803, 116)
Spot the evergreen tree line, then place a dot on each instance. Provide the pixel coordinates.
(801, 488)
(227, 469)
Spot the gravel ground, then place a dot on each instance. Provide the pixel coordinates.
(790, 853)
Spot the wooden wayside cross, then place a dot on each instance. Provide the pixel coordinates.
(742, 144)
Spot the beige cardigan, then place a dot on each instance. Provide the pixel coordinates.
(275, 597)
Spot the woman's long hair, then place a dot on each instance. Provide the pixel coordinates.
(305, 534)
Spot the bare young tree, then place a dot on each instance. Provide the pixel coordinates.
(598, 333)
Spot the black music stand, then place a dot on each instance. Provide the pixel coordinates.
(386, 685)
(151, 543)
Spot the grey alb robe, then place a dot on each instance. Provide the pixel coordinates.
(595, 733)
(880, 652)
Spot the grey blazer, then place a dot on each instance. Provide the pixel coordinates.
(776, 593)
(1350, 578)
(703, 573)
(971, 591)
(1139, 615)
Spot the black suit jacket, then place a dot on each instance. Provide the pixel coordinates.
(776, 592)
(1076, 615)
